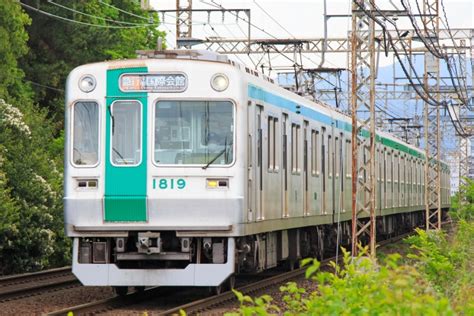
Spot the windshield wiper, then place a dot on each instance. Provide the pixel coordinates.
(218, 154)
(120, 156)
(112, 119)
(215, 158)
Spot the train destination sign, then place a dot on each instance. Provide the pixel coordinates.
(163, 82)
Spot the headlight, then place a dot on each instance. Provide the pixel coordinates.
(87, 83)
(219, 82)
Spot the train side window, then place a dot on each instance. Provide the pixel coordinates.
(348, 159)
(295, 147)
(314, 153)
(390, 166)
(85, 134)
(337, 157)
(272, 143)
(330, 158)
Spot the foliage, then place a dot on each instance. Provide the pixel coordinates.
(447, 263)
(462, 204)
(259, 306)
(58, 46)
(359, 287)
(13, 38)
(31, 227)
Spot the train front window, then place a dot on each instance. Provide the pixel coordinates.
(194, 133)
(85, 143)
(126, 133)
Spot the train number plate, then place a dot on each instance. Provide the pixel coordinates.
(169, 184)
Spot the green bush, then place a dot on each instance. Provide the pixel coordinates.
(447, 263)
(359, 287)
(462, 204)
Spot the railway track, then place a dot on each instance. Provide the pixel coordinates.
(200, 305)
(29, 284)
(206, 304)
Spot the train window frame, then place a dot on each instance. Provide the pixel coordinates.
(140, 131)
(295, 146)
(348, 158)
(330, 161)
(272, 144)
(337, 156)
(99, 133)
(181, 99)
(315, 165)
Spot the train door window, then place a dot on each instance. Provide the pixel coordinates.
(85, 134)
(329, 160)
(314, 153)
(126, 133)
(272, 144)
(295, 147)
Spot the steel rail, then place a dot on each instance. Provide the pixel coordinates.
(27, 284)
(114, 302)
(201, 304)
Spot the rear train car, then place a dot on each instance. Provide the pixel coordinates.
(184, 168)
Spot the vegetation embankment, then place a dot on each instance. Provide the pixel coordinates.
(435, 277)
(37, 51)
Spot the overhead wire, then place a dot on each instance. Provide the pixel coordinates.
(98, 17)
(434, 48)
(273, 19)
(426, 97)
(123, 11)
(79, 22)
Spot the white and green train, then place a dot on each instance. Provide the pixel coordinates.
(184, 168)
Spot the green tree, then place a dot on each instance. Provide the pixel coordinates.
(31, 234)
(13, 39)
(120, 27)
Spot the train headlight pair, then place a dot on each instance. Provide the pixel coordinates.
(219, 82)
(87, 83)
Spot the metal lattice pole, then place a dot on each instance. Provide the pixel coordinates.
(432, 122)
(463, 140)
(184, 11)
(363, 128)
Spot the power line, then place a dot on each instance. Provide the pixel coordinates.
(77, 22)
(95, 16)
(123, 11)
(273, 19)
(44, 86)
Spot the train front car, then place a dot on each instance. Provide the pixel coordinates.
(153, 183)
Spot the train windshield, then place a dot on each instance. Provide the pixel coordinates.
(194, 133)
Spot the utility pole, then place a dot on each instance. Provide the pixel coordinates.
(363, 69)
(432, 121)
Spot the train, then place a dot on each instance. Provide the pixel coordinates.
(185, 168)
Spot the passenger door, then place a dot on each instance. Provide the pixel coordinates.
(126, 152)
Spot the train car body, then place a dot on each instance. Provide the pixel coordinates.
(185, 168)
